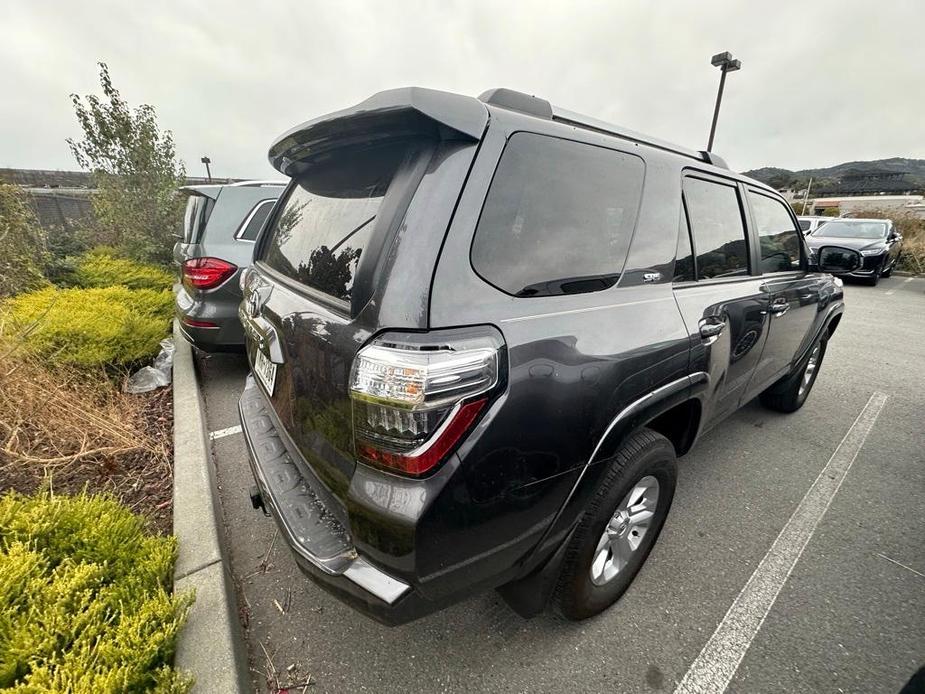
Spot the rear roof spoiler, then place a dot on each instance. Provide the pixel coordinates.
(207, 191)
(387, 115)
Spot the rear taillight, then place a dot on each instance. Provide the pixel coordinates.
(207, 273)
(415, 396)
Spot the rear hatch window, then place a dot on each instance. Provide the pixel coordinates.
(326, 223)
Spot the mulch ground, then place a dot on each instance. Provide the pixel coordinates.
(142, 480)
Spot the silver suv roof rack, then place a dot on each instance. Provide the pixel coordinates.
(257, 184)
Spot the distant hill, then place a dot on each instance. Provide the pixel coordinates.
(895, 175)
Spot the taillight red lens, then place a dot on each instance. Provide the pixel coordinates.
(420, 461)
(207, 273)
(415, 396)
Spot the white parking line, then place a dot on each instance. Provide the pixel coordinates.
(715, 666)
(893, 291)
(222, 433)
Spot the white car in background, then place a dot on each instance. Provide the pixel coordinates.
(809, 223)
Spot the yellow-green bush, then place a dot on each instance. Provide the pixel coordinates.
(103, 267)
(110, 326)
(85, 599)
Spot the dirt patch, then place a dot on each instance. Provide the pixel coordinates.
(74, 432)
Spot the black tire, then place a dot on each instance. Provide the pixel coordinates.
(873, 279)
(786, 395)
(645, 454)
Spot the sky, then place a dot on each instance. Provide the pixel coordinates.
(822, 82)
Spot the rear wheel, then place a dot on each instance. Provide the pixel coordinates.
(789, 394)
(620, 526)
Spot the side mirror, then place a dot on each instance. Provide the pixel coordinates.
(837, 260)
(894, 236)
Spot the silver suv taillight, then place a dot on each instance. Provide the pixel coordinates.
(415, 395)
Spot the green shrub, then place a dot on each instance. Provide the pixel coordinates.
(103, 267)
(85, 601)
(22, 243)
(110, 326)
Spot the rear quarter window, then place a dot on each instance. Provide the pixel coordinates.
(558, 217)
(254, 220)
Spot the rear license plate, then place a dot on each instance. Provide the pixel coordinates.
(265, 370)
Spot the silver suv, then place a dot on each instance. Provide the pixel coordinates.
(219, 229)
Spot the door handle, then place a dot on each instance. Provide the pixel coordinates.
(780, 306)
(711, 327)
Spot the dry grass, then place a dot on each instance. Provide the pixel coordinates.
(912, 229)
(58, 417)
(78, 429)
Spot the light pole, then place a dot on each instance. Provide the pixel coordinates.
(207, 161)
(726, 63)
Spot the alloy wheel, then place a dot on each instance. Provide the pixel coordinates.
(625, 531)
(811, 365)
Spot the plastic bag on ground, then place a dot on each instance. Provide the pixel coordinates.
(149, 378)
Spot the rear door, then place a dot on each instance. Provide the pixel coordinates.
(793, 293)
(721, 296)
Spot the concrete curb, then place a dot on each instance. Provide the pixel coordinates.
(211, 645)
(905, 273)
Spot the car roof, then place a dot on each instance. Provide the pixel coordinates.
(211, 190)
(451, 116)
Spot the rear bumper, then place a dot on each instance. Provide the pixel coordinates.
(220, 310)
(320, 542)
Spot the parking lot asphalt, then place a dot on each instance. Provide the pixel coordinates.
(849, 617)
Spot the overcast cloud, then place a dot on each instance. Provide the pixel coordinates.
(822, 82)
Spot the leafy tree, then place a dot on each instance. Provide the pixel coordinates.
(22, 243)
(135, 173)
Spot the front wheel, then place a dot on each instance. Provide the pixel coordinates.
(620, 526)
(789, 394)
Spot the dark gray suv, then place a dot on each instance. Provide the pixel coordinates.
(219, 229)
(482, 331)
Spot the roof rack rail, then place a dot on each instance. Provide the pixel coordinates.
(257, 184)
(517, 101)
(714, 159)
(588, 123)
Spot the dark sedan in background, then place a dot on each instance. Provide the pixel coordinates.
(876, 240)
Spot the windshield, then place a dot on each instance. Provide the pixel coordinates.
(844, 229)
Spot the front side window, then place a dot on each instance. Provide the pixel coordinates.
(778, 238)
(717, 228)
(558, 217)
(327, 218)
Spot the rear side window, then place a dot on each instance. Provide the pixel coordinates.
(717, 228)
(778, 238)
(558, 217)
(254, 220)
(327, 218)
(805, 224)
(195, 217)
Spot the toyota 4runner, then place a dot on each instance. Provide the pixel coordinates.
(482, 331)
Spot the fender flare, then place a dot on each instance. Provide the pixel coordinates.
(630, 418)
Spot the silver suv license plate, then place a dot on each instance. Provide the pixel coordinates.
(266, 371)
